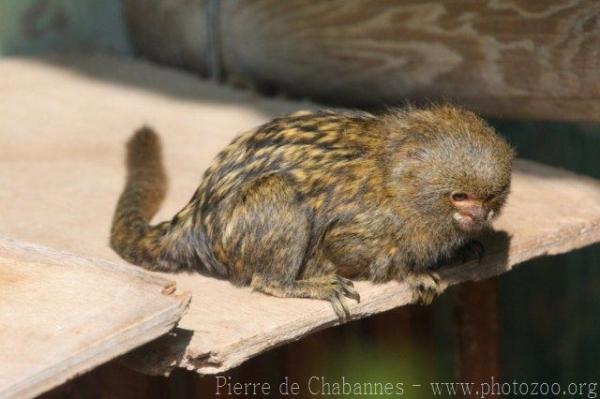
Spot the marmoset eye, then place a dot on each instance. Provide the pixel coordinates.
(459, 196)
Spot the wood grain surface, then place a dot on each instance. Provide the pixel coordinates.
(518, 58)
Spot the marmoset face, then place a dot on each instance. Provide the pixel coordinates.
(472, 212)
(454, 170)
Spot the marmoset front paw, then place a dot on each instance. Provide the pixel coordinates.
(425, 287)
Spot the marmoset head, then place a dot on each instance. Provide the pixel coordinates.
(450, 166)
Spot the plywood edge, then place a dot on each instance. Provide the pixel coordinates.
(31, 252)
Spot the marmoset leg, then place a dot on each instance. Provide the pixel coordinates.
(267, 233)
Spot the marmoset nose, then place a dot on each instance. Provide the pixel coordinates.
(473, 209)
(475, 212)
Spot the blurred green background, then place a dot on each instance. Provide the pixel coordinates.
(31, 26)
(549, 306)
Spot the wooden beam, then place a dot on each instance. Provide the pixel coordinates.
(61, 315)
(477, 331)
(77, 183)
(521, 59)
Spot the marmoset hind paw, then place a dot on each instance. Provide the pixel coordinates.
(332, 288)
(335, 290)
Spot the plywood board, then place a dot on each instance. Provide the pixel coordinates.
(61, 314)
(63, 124)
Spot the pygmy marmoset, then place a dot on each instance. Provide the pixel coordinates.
(301, 204)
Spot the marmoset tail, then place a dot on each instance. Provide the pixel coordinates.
(166, 246)
(301, 204)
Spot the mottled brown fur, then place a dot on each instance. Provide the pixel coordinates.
(302, 203)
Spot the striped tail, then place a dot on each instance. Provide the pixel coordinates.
(165, 246)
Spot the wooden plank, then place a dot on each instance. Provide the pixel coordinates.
(79, 181)
(61, 315)
(523, 59)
